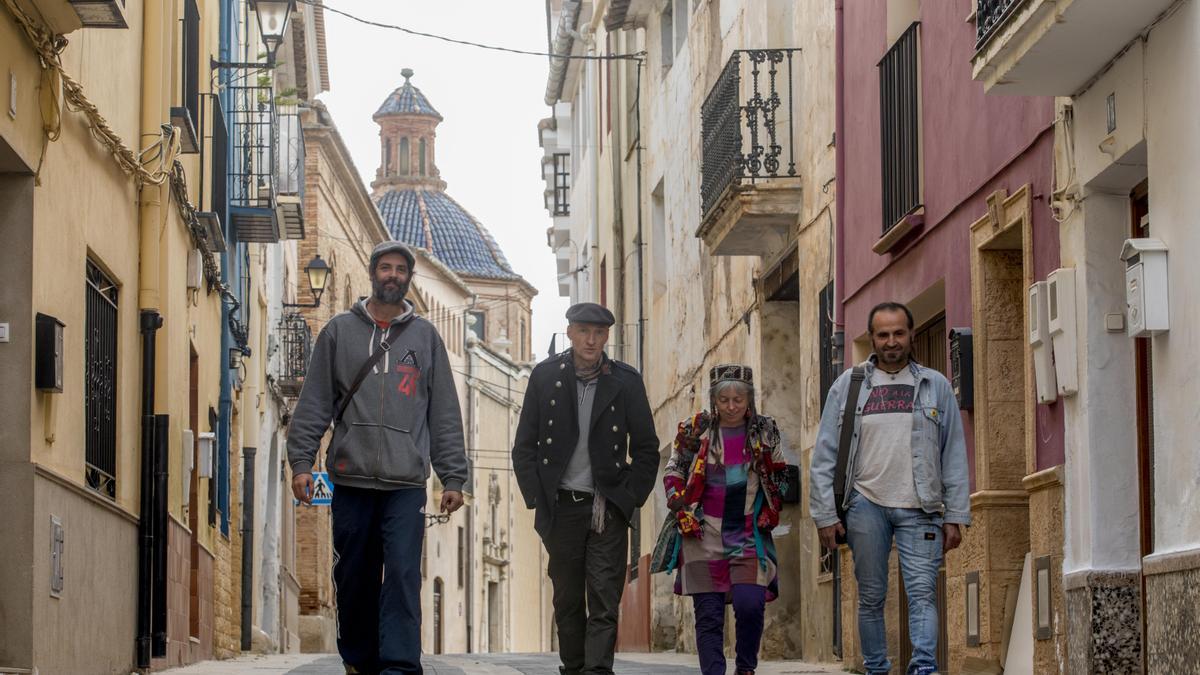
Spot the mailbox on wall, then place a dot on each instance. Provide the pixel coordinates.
(962, 367)
(1145, 287)
(48, 354)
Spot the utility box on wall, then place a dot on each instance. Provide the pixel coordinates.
(1061, 310)
(48, 354)
(1145, 287)
(1039, 339)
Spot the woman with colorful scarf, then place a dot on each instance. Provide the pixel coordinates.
(723, 483)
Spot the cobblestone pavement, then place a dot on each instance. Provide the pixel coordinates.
(484, 664)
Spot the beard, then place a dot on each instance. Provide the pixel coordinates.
(892, 357)
(389, 292)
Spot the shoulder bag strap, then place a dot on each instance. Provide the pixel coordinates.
(384, 345)
(839, 473)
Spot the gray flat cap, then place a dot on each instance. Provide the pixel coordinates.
(590, 312)
(392, 246)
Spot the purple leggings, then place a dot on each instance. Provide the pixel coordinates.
(749, 601)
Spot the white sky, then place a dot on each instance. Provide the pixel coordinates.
(487, 147)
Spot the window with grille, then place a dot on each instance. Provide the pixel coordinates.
(100, 382)
(899, 115)
(562, 184)
(930, 345)
(462, 557)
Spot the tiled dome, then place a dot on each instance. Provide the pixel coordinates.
(407, 100)
(433, 221)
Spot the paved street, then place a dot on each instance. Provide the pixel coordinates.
(483, 664)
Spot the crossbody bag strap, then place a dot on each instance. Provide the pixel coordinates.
(839, 474)
(384, 345)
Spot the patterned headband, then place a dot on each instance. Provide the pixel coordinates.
(730, 372)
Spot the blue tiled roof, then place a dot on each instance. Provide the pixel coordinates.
(451, 234)
(407, 100)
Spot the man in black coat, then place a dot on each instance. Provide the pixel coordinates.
(585, 456)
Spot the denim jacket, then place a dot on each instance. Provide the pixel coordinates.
(939, 448)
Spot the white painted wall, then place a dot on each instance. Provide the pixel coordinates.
(1173, 96)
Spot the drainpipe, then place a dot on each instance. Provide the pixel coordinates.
(641, 244)
(150, 201)
(150, 323)
(839, 275)
(469, 435)
(247, 545)
(162, 428)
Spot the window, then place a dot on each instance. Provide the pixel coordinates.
(421, 157)
(191, 60)
(387, 157)
(478, 327)
(899, 112)
(220, 165)
(404, 156)
(828, 368)
(604, 281)
(562, 184)
(930, 345)
(667, 35)
(658, 240)
(438, 612)
(462, 558)
(681, 23)
(100, 382)
(524, 340)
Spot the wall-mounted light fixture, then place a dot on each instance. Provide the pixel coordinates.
(1044, 628)
(973, 609)
(318, 272)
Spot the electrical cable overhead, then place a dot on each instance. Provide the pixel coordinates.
(637, 56)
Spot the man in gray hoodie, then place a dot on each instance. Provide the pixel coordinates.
(403, 419)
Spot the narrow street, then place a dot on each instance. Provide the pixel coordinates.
(483, 664)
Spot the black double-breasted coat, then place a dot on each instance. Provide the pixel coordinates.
(622, 444)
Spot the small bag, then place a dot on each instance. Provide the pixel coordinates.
(839, 472)
(666, 548)
(670, 539)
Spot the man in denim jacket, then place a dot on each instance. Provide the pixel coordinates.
(906, 476)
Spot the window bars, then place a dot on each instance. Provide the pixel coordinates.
(747, 125)
(100, 382)
(899, 115)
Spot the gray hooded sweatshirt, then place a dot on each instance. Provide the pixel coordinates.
(404, 418)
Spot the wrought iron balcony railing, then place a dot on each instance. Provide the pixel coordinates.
(252, 138)
(289, 171)
(989, 16)
(289, 164)
(746, 123)
(295, 340)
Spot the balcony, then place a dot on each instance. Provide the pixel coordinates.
(289, 173)
(1053, 47)
(749, 187)
(253, 127)
(65, 16)
(295, 341)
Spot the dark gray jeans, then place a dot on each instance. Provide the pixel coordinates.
(588, 571)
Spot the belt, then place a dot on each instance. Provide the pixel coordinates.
(565, 495)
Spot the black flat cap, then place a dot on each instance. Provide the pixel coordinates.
(590, 312)
(392, 246)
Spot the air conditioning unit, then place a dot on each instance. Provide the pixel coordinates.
(1039, 338)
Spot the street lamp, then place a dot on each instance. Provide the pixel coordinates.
(318, 276)
(272, 16)
(272, 22)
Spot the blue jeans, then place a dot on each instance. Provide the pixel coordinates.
(377, 537)
(869, 532)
